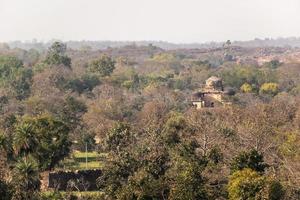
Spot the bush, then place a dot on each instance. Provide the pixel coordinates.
(252, 160)
(245, 184)
(5, 191)
(269, 88)
(104, 66)
(246, 88)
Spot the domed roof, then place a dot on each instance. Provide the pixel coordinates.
(213, 79)
(214, 82)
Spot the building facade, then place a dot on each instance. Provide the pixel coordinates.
(212, 94)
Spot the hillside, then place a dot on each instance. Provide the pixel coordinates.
(127, 110)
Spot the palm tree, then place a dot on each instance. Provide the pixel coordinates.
(26, 178)
(24, 139)
(3, 154)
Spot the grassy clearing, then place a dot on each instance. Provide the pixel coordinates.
(80, 154)
(90, 165)
(77, 161)
(88, 194)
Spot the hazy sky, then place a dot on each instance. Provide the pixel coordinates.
(169, 20)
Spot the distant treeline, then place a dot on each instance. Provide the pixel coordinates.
(96, 45)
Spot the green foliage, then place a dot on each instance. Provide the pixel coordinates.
(237, 75)
(227, 132)
(57, 55)
(44, 137)
(152, 151)
(8, 67)
(142, 185)
(88, 141)
(172, 128)
(200, 64)
(87, 195)
(273, 64)
(134, 83)
(275, 190)
(184, 175)
(246, 88)
(252, 160)
(52, 196)
(25, 140)
(5, 191)
(103, 66)
(22, 83)
(245, 184)
(269, 88)
(248, 184)
(215, 155)
(290, 145)
(26, 179)
(164, 57)
(15, 77)
(4, 142)
(84, 84)
(118, 137)
(71, 112)
(77, 161)
(115, 174)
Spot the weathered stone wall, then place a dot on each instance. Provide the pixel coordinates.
(84, 180)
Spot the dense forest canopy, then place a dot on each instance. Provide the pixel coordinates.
(133, 104)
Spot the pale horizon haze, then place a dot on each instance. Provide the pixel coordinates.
(177, 21)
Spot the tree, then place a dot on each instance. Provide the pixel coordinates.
(116, 172)
(86, 83)
(118, 137)
(88, 141)
(26, 180)
(57, 55)
(252, 160)
(44, 137)
(21, 85)
(184, 176)
(25, 140)
(71, 112)
(173, 127)
(273, 64)
(4, 142)
(5, 191)
(4, 150)
(103, 66)
(245, 184)
(14, 77)
(9, 66)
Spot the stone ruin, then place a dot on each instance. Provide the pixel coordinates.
(212, 94)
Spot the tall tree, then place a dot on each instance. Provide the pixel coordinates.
(26, 180)
(45, 137)
(57, 55)
(103, 66)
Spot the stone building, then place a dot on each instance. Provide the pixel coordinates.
(212, 94)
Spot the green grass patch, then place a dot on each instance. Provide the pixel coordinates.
(90, 165)
(79, 154)
(86, 195)
(77, 161)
